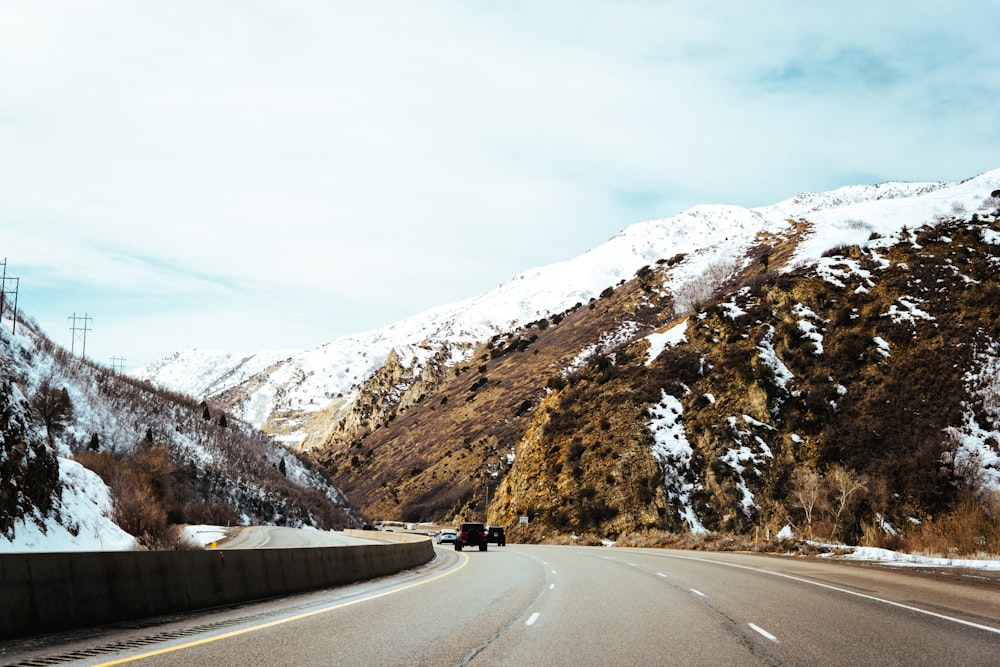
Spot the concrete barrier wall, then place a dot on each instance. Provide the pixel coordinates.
(46, 592)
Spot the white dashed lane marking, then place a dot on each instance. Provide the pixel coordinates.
(762, 632)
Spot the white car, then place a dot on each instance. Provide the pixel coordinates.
(447, 536)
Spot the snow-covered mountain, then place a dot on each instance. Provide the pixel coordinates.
(284, 392)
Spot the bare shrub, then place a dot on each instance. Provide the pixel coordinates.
(138, 512)
(875, 534)
(141, 489)
(839, 250)
(971, 529)
(645, 540)
(201, 511)
(661, 539)
(703, 288)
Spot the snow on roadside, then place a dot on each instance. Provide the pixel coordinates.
(205, 535)
(84, 524)
(887, 557)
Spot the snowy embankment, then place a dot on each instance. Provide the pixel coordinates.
(86, 512)
(886, 557)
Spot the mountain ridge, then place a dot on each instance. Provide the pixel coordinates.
(299, 384)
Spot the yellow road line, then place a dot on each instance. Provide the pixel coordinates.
(290, 619)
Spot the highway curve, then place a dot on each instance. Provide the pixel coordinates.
(547, 605)
(279, 537)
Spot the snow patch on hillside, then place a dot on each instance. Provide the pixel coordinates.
(658, 342)
(978, 445)
(673, 451)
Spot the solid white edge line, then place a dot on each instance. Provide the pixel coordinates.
(844, 590)
(762, 632)
(531, 619)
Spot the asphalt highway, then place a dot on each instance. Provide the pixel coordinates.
(279, 537)
(548, 605)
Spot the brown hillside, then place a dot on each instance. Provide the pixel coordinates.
(850, 373)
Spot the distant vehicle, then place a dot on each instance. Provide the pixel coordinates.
(447, 536)
(496, 535)
(471, 535)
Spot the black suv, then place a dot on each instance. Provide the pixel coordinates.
(495, 534)
(471, 535)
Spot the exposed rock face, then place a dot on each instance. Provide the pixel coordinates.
(392, 390)
(29, 472)
(603, 482)
(378, 398)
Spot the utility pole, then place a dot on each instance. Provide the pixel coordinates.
(486, 512)
(4, 292)
(491, 467)
(118, 364)
(13, 320)
(79, 331)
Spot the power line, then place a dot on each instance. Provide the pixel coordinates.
(79, 331)
(118, 364)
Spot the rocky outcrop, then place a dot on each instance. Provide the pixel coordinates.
(29, 471)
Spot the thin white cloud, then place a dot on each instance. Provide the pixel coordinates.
(314, 156)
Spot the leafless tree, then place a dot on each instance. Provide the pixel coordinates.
(808, 494)
(845, 488)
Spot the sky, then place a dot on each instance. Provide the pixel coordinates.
(256, 175)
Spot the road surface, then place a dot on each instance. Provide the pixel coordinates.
(548, 605)
(279, 537)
